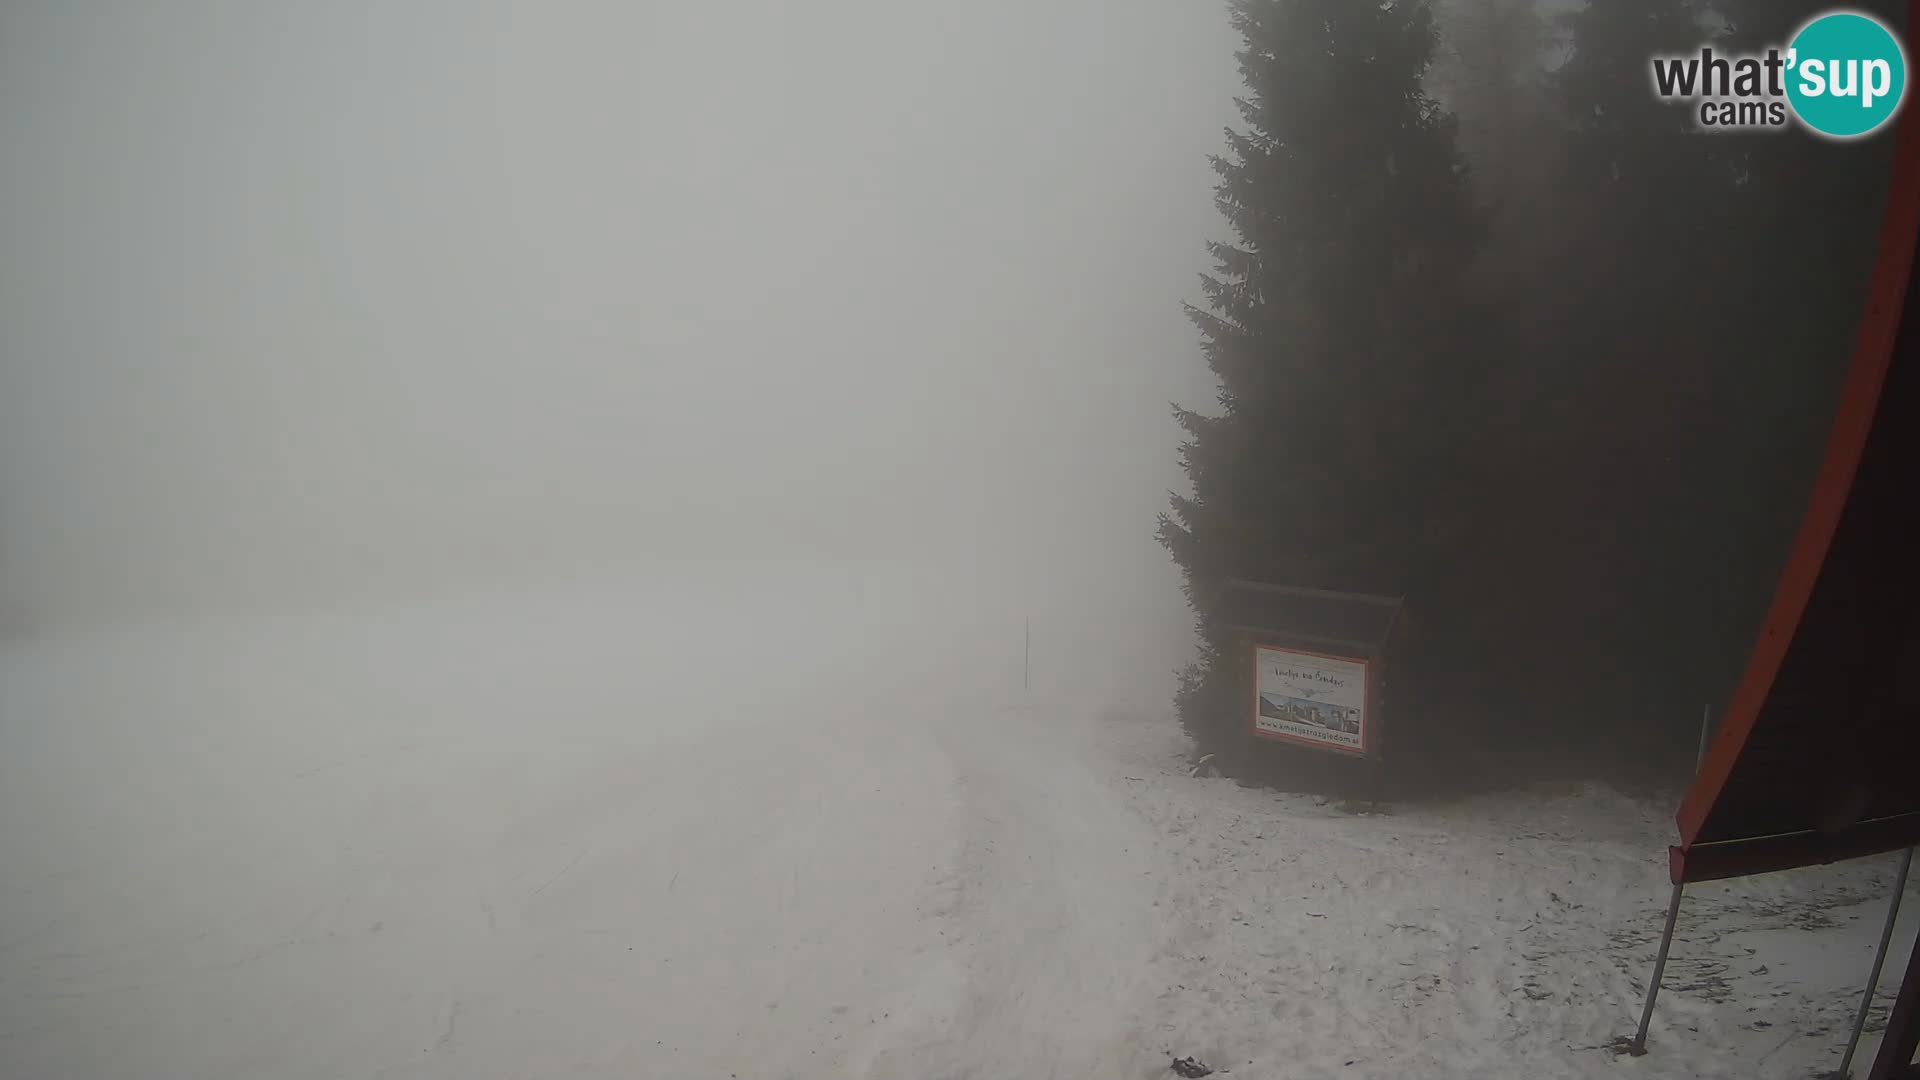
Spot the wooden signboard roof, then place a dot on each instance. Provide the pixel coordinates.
(1354, 620)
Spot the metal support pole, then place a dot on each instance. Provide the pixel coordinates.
(1706, 728)
(1894, 1059)
(1879, 959)
(1026, 655)
(1639, 1045)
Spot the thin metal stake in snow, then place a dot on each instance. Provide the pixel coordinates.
(1879, 958)
(1639, 1046)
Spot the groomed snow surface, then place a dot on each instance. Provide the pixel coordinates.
(808, 827)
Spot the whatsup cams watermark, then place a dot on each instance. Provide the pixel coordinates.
(1842, 75)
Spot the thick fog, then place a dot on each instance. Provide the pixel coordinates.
(477, 479)
(647, 538)
(320, 305)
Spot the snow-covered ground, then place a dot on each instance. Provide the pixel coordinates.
(806, 826)
(1503, 936)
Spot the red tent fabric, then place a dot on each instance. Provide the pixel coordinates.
(1815, 758)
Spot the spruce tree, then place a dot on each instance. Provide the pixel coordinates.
(1490, 72)
(1708, 283)
(1343, 446)
(1599, 333)
(1803, 231)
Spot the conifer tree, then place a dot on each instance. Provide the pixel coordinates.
(1342, 451)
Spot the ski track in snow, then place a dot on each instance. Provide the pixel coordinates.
(554, 839)
(1049, 913)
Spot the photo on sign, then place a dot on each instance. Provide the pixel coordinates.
(1306, 697)
(1319, 714)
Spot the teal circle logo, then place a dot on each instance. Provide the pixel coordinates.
(1846, 74)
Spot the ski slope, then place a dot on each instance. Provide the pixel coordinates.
(804, 825)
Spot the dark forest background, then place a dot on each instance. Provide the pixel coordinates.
(1499, 332)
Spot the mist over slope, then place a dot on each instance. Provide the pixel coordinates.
(305, 305)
